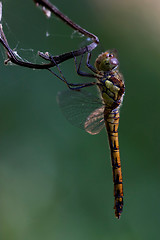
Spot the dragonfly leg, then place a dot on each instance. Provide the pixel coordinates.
(79, 86)
(71, 86)
(88, 63)
(61, 77)
(81, 73)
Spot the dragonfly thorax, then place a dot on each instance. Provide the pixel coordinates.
(112, 89)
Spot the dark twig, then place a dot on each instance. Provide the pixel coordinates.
(54, 60)
(53, 9)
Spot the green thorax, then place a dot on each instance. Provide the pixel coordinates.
(112, 89)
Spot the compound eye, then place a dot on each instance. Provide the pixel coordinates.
(110, 55)
(114, 61)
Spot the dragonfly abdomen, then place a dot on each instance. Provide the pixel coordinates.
(112, 122)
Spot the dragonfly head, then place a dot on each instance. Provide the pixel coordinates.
(107, 61)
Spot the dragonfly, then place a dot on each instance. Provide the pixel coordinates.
(92, 112)
(81, 107)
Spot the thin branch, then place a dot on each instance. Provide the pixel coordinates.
(55, 10)
(53, 60)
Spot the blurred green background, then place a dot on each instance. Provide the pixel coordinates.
(55, 179)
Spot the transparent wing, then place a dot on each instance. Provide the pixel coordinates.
(95, 121)
(82, 109)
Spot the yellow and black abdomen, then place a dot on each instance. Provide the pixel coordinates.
(112, 122)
